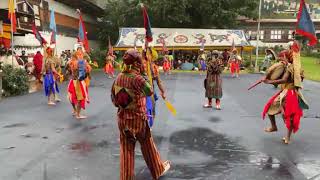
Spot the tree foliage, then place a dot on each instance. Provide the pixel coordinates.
(174, 14)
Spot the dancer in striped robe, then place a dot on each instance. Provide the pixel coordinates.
(129, 93)
(213, 82)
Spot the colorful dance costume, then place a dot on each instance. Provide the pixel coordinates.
(213, 82)
(109, 70)
(128, 94)
(235, 62)
(77, 88)
(166, 65)
(289, 100)
(49, 82)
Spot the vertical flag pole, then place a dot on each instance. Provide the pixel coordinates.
(12, 45)
(258, 39)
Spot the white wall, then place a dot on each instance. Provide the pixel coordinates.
(3, 4)
(69, 11)
(58, 7)
(63, 43)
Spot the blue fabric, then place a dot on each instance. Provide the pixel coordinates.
(53, 27)
(305, 22)
(49, 84)
(203, 64)
(81, 32)
(82, 70)
(151, 109)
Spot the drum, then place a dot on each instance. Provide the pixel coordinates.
(276, 71)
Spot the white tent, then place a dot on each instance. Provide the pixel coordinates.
(182, 38)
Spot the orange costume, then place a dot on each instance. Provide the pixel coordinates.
(108, 69)
(166, 65)
(235, 62)
(77, 88)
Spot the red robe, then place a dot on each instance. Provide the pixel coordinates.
(38, 61)
(78, 94)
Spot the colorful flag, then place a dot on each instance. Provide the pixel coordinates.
(147, 24)
(82, 36)
(38, 35)
(110, 51)
(305, 26)
(12, 15)
(53, 28)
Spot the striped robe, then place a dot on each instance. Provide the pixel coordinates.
(213, 83)
(129, 93)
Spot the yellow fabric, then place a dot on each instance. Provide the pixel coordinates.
(152, 55)
(77, 87)
(11, 6)
(132, 104)
(87, 81)
(297, 70)
(6, 31)
(171, 108)
(5, 35)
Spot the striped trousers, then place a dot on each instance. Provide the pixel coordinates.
(128, 138)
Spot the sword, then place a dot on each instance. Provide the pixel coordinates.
(255, 84)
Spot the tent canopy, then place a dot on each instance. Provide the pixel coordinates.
(184, 39)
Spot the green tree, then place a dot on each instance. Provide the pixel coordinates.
(173, 14)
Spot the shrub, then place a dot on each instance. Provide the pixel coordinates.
(14, 81)
(100, 57)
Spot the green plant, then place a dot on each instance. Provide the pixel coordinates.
(15, 81)
(99, 56)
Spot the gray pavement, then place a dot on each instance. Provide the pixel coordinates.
(38, 142)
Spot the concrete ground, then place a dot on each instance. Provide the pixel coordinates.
(38, 142)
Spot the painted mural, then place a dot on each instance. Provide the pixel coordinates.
(131, 37)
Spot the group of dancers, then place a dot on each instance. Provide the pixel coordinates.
(231, 59)
(78, 68)
(132, 90)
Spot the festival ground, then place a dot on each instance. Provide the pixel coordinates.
(44, 143)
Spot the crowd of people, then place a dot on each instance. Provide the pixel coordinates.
(31, 62)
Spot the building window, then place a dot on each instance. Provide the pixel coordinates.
(25, 7)
(25, 19)
(36, 10)
(248, 34)
(290, 36)
(37, 22)
(262, 35)
(276, 34)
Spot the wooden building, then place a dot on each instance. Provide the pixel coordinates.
(272, 31)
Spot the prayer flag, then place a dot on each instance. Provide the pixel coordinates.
(305, 26)
(82, 36)
(53, 28)
(12, 15)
